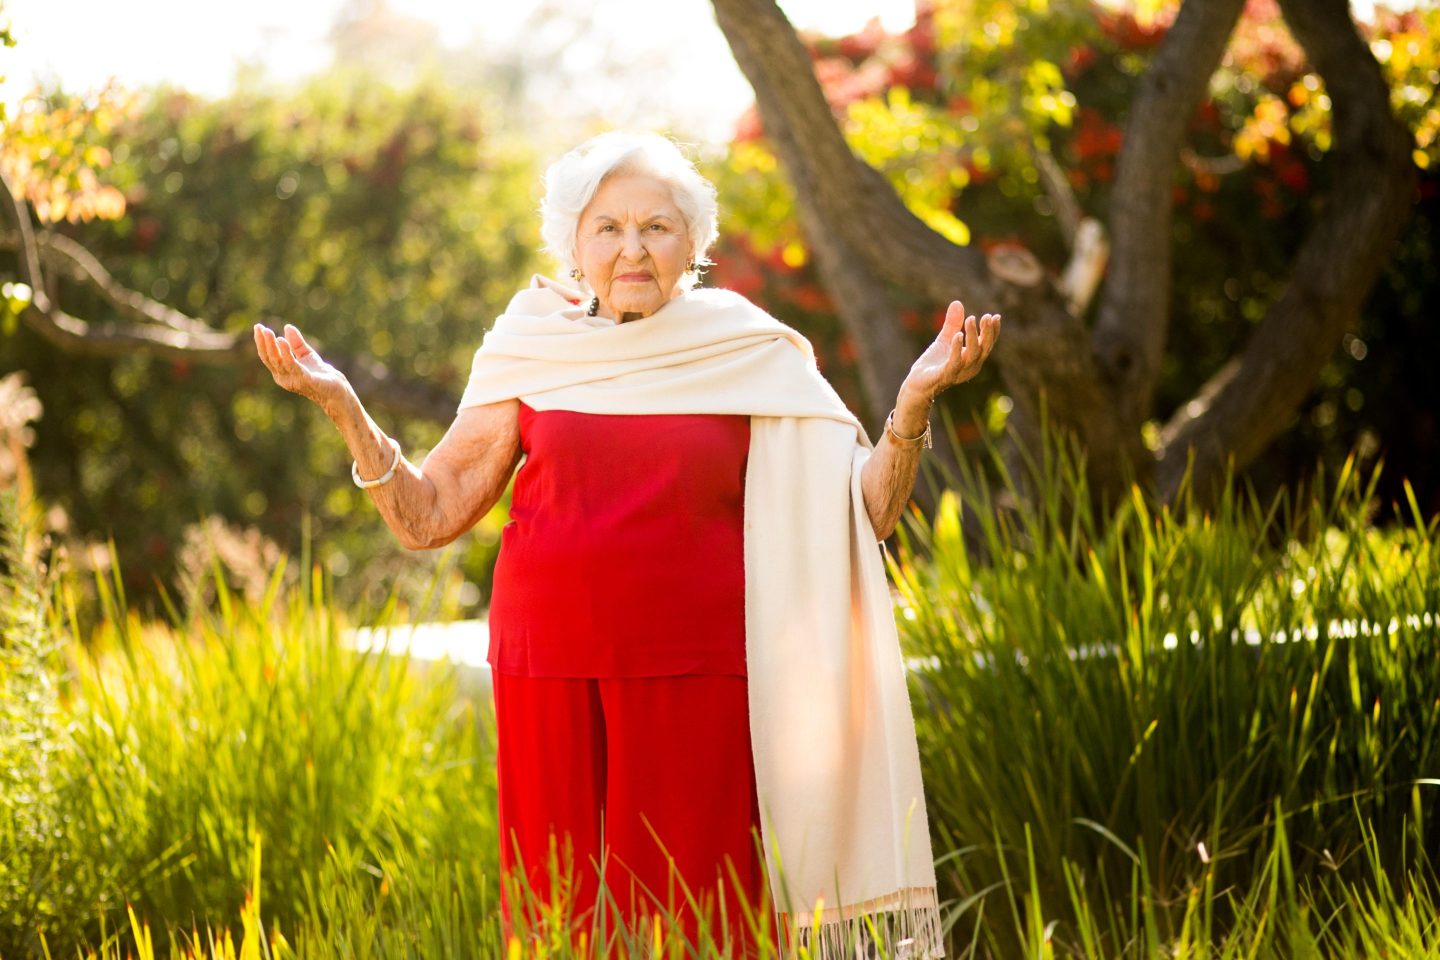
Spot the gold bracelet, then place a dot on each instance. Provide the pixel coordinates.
(923, 439)
(383, 478)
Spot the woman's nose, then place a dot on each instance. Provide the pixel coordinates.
(634, 249)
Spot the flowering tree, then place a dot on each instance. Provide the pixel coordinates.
(1048, 158)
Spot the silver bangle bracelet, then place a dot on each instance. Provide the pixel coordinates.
(922, 441)
(383, 478)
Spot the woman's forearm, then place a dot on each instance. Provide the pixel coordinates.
(888, 478)
(409, 502)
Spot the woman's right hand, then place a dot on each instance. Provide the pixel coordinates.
(298, 368)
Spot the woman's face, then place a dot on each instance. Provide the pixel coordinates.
(632, 245)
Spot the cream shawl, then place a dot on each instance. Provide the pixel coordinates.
(836, 763)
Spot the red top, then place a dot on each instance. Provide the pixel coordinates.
(625, 552)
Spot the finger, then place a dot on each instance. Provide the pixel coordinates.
(992, 333)
(296, 340)
(287, 355)
(266, 340)
(958, 344)
(954, 319)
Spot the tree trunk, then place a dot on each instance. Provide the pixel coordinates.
(1100, 386)
(1253, 397)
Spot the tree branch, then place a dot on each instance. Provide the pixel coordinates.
(1062, 196)
(1253, 397)
(168, 333)
(1133, 320)
(59, 252)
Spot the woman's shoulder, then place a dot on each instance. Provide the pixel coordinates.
(733, 303)
(750, 316)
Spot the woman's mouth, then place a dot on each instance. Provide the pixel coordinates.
(633, 277)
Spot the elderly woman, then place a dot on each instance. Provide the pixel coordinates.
(691, 637)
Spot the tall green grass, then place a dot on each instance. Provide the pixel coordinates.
(1123, 758)
(1125, 712)
(38, 876)
(184, 741)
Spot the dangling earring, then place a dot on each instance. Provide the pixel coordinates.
(594, 307)
(576, 273)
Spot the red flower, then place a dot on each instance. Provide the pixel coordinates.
(1129, 33)
(809, 297)
(922, 36)
(145, 233)
(913, 73)
(748, 127)
(1079, 59)
(861, 46)
(1095, 136)
(1290, 172)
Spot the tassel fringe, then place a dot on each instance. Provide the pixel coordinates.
(901, 926)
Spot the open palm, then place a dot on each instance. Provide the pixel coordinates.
(957, 353)
(296, 366)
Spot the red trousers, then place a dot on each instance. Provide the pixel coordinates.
(648, 780)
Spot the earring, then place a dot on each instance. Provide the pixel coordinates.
(690, 265)
(576, 273)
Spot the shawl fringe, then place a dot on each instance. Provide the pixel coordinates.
(904, 925)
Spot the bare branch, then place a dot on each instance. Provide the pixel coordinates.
(1086, 268)
(1062, 196)
(1131, 327)
(168, 333)
(1084, 236)
(1211, 166)
(59, 252)
(29, 259)
(1251, 400)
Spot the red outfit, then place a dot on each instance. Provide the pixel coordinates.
(625, 552)
(618, 653)
(618, 758)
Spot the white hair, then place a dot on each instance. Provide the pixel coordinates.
(571, 182)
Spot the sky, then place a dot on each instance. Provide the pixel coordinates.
(82, 43)
(664, 59)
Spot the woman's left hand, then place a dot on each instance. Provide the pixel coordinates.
(955, 355)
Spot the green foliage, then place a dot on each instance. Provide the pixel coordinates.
(33, 880)
(183, 744)
(956, 112)
(1123, 757)
(1169, 688)
(387, 224)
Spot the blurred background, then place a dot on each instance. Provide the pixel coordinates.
(370, 173)
(1146, 730)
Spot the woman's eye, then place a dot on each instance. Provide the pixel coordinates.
(658, 227)
(607, 226)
